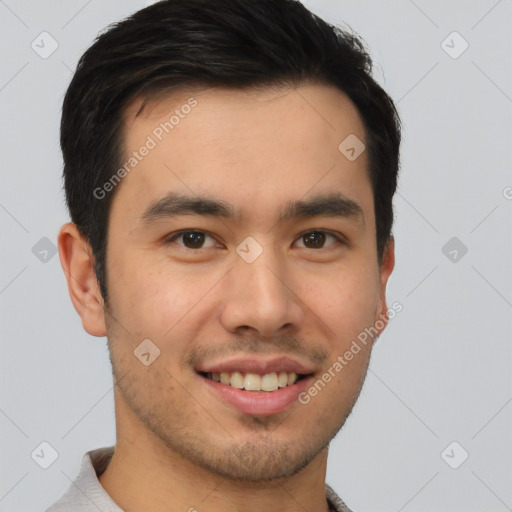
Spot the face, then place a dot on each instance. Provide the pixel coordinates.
(242, 244)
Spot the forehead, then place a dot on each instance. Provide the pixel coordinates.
(247, 147)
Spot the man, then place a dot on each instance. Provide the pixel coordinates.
(229, 170)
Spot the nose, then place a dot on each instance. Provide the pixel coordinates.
(259, 298)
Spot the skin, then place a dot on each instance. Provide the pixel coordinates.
(256, 150)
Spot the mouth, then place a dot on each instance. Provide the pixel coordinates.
(256, 387)
(254, 382)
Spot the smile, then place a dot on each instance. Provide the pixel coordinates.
(248, 381)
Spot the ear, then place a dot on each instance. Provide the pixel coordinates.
(386, 267)
(77, 262)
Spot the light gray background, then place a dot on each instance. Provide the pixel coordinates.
(440, 372)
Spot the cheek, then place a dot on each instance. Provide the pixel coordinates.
(138, 294)
(346, 301)
(154, 300)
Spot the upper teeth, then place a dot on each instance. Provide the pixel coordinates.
(253, 381)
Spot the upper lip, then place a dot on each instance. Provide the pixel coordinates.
(254, 365)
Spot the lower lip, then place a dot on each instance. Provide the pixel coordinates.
(261, 403)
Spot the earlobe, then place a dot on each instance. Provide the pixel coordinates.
(386, 267)
(77, 262)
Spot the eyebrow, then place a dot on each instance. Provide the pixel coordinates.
(328, 205)
(173, 205)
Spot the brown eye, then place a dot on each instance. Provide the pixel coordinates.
(193, 239)
(317, 240)
(314, 240)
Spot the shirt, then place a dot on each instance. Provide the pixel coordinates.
(86, 494)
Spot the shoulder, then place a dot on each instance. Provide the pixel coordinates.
(85, 493)
(336, 504)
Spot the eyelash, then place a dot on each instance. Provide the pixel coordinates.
(339, 238)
